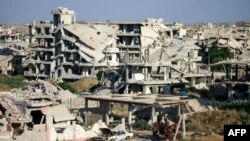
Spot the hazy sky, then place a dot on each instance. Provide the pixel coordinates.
(187, 11)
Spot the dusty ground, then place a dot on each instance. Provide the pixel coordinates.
(147, 136)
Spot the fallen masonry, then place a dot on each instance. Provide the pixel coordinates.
(148, 67)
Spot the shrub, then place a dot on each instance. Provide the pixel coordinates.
(218, 54)
(99, 75)
(141, 125)
(67, 86)
(242, 105)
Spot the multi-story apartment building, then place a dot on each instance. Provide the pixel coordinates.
(41, 63)
(146, 52)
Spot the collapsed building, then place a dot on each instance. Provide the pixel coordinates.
(8, 34)
(143, 54)
(36, 110)
(13, 49)
(234, 38)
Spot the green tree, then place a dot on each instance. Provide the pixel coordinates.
(218, 54)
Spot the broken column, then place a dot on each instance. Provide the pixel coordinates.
(130, 111)
(228, 71)
(229, 92)
(145, 73)
(153, 115)
(146, 89)
(49, 123)
(171, 34)
(105, 111)
(192, 83)
(126, 86)
(236, 72)
(184, 126)
(166, 73)
(86, 111)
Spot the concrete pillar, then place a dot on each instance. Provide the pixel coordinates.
(170, 73)
(49, 122)
(130, 111)
(229, 92)
(86, 112)
(86, 104)
(236, 72)
(105, 111)
(146, 90)
(231, 72)
(179, 110)
(178, 126)
(153, 115)
(126, 77)
(228, 72)
(145, 73)
(184, 126)
(126, 89)
(74, 130)
(123, 123)
(42, 119)
(193, 82)
(166, 74)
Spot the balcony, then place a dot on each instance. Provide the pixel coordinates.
(30, 74)
(129, 46)
(43, 36)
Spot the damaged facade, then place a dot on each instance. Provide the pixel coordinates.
(147, 54)
(13, 49)
(36, 110)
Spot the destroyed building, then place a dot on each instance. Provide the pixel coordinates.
(149, 50)
(44, 111)
(40, 63)
(8, 34)
(13, 49)
(233, 38)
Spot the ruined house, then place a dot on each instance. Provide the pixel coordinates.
(13, 49)
(8, 34)
(149, 50)
(41, 63)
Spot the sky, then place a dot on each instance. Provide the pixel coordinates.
(185, 11)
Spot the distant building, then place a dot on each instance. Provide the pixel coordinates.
(243, 23)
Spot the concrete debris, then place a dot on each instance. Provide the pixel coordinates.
(137, 46)
(200, 105)
(149, 64)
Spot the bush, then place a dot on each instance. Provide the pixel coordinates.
(244, 117)
(67, 86)
(237, 105)
(192, 127)
(141, 125)
(218, 54)
(99, 75)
